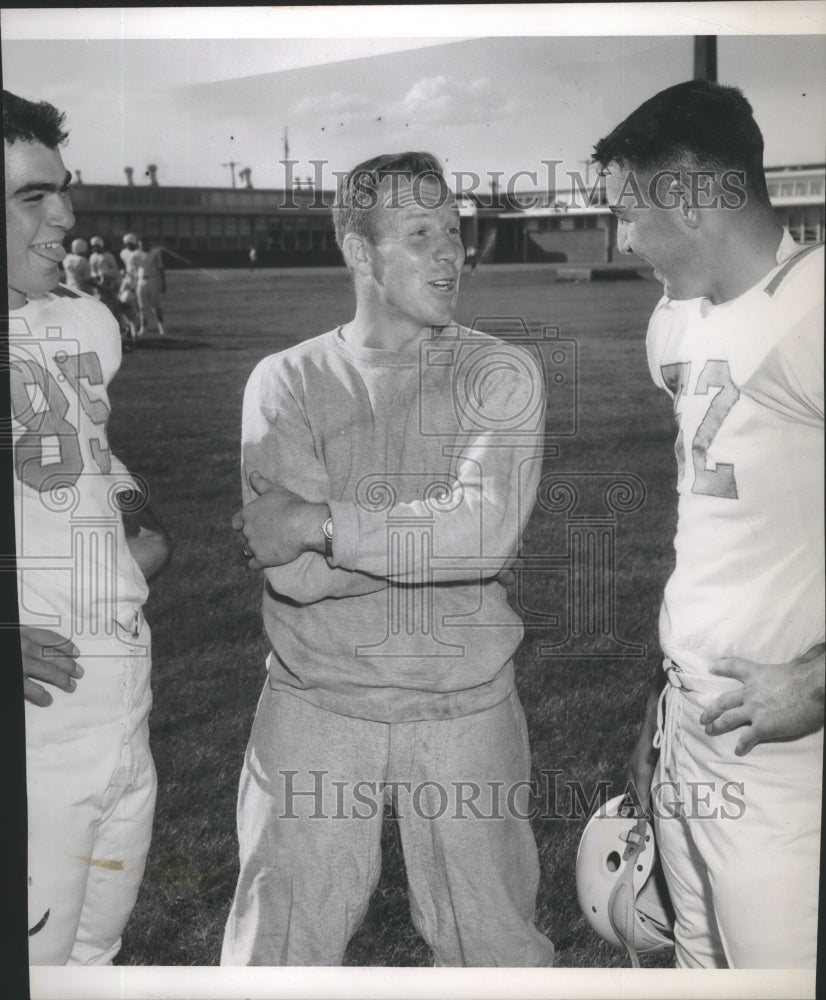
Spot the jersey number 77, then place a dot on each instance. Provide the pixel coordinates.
(719, 481)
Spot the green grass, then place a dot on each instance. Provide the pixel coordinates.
(176, 420)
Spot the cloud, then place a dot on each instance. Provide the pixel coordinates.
(336, 105)
(445, 100)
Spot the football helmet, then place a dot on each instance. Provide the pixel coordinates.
(619, 881)
(96, 242)
(79, 246)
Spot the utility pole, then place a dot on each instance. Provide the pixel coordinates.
(705, 58)
(232, 165)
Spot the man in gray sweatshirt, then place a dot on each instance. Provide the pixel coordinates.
(389, 468)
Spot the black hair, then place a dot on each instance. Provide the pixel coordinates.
(693, 125)
(30, 121)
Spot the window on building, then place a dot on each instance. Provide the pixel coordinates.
(151, 225)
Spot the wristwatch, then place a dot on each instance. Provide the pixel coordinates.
(327, 528)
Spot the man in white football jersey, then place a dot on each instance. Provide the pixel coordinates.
(737, 342)
(86, 544)
(151, 283)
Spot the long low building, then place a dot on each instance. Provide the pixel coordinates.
(797, 194)
(213, 226)
(218, 226)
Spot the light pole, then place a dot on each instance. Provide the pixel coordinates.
(232, 165)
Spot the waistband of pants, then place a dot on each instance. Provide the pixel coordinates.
(700, 689)
(706, 684)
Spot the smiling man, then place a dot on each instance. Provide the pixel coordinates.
(86, 545)
(737, 343)
(391, 502)
(36, 179)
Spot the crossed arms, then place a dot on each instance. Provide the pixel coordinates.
(475, 515)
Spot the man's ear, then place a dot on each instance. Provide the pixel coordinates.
(684, 199)
(357, 251)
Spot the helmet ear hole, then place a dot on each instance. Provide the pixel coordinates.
(620, 884)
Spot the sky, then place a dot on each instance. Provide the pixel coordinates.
(485, 90)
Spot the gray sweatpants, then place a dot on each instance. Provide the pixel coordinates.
(310, 810)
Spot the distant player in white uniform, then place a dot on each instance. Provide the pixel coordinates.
(151, 283)
(105, 273)
(131, 255)
(77, 268)
(106, 278)
(86, 544)
(734, 722)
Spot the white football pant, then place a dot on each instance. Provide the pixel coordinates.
(742, 858)
(91, 799)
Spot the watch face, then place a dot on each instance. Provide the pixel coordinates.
(327, 528)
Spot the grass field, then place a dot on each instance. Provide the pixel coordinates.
(176, 421)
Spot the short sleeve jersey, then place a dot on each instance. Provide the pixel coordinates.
(76, 574)
(132, 260)
(746, 378)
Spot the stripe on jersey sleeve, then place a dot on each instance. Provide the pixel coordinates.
(796, 257)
